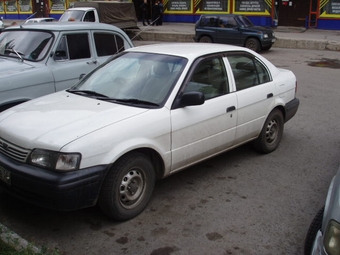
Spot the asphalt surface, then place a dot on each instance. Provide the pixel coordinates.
(287, 37)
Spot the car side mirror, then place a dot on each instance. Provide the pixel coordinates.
(60, 53)
(192, 98)
(81, 76)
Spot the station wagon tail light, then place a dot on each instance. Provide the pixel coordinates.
(55, 160)
(332, 238)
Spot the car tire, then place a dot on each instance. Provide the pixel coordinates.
(266, 48)
(253, 44)
(313, 229)
(205, 39)
(271, 133)
(127, 187)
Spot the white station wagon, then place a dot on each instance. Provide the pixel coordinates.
(41, 58)
(145, 114)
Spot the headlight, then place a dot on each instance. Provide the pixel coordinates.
(55, 160)
(265, 35)
(332, 238)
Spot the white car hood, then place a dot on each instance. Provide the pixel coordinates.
(52, 121)
(12, 66)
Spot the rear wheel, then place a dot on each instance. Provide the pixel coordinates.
(205, 39)
(271, 133)
(314, 227)
(253, 44)
(127, 187)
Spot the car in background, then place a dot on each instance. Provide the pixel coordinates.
(2, 26)
(145, 114)
(41, 58)
(235, 30)
(323, 236)
(38, 20)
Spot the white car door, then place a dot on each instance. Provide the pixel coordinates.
(255, 93)
(199, 132)
(72, 58)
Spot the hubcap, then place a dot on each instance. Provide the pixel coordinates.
(131, 189)
(272, 131)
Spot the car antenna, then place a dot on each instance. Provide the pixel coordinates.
(141, 30)
(32, 15)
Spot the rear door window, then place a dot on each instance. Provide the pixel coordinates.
(107, 44)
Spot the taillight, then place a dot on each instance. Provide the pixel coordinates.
(295, 87)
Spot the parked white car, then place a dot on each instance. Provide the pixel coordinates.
(38, 59)
(323, 237)
(38, 20)
(2, 26)
(147, 113)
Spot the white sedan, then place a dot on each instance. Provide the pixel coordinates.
(38, 20)
(149, 112)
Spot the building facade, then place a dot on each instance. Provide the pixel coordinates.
(322, 14)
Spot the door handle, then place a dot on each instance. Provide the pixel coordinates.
(270, 95)
(92, 62)
(231, 108)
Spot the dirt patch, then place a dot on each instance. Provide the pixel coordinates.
(326, 62)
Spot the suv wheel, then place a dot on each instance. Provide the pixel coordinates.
(205, 39)
(253, 44)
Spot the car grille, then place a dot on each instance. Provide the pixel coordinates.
(13, 151)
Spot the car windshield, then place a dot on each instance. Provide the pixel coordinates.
(245, 21)
(139, 79)
(24, 44)
(72, 15)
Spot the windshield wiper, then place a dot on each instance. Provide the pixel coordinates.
(18, 53)
(106, 98)
(87, 92)
(136, 101)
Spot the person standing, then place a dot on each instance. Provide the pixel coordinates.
(155, 13)
(161, 9)
(145, 11)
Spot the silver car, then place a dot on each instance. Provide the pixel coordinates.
(323, 237)
(41, 58)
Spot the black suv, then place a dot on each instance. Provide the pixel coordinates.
(235, 30)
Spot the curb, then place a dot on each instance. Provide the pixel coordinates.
(310, 44)
(15, 241)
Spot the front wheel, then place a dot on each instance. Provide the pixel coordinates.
(253, 44)
(271, 133)
(205, 39)
(314, 227)
(127, 187)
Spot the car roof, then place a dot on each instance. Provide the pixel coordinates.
(188, 50)
(65, 26)
(38, 19)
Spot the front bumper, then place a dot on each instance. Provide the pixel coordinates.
(267, 42)
(50, 189)
(318, 245)
(291, 109)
